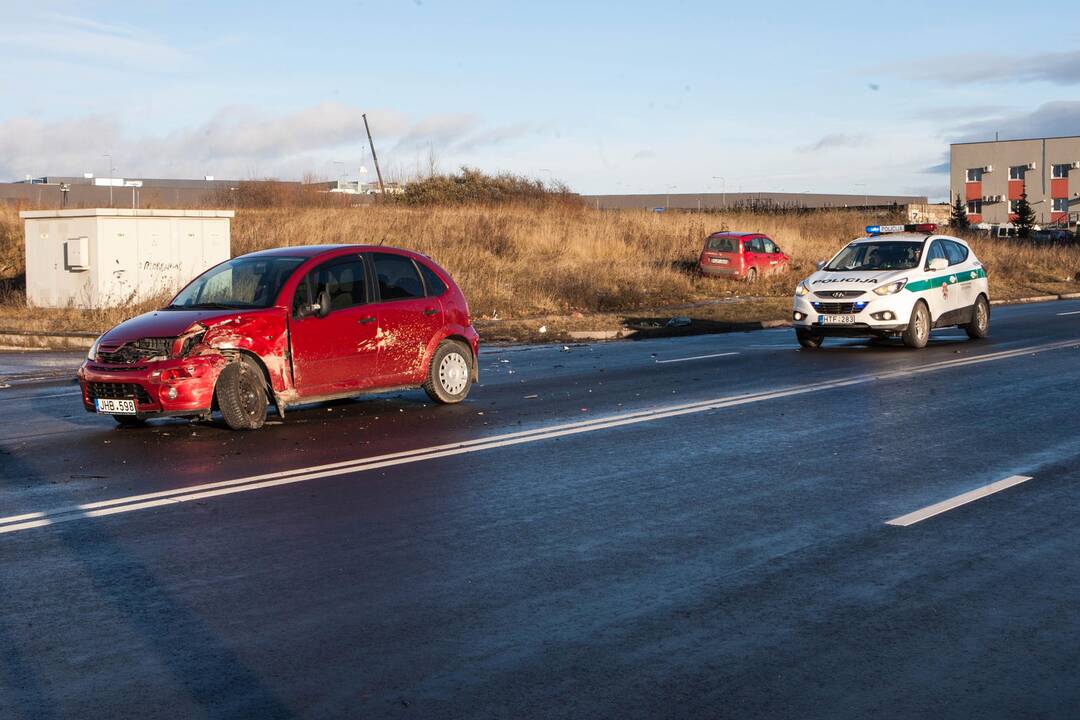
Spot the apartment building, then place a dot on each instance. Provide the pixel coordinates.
(991, 176)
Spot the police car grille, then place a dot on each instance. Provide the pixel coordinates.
(838, 293)
(835, 308)
(117, 391)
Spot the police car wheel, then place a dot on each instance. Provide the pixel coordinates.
(808, 339)
(979, 327)
(917, 333)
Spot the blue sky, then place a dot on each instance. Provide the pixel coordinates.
(608, 97)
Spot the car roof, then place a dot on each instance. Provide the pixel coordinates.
(733, 233)
(310, 251)
(907, 237)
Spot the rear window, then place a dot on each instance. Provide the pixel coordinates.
(723, 244)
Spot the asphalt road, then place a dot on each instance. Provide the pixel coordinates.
(686, 528)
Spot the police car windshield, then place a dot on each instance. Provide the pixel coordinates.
(889, 255)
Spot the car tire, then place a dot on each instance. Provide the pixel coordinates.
(751, 275)
(450, 373)
(917, 332)
(241, 395)
(807, 339)
(129, 421)
(979, 327)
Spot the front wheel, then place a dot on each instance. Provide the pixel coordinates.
(808, 339)
(979, 327)
(450, 374)
(241, 396)
(917, 333)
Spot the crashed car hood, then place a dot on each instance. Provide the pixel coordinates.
(823, 281)
(167, 323)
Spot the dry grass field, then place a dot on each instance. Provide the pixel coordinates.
(564, 265)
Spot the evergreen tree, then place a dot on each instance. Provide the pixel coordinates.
(958, 220)
(1025, 217)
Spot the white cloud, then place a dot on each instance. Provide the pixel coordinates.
(1058, 68)
(237, 142)
(835, 140)
(1048, 120)
(84, 40)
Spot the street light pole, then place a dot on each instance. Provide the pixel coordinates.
(111, 171)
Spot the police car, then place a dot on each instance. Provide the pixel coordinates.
(900, 280)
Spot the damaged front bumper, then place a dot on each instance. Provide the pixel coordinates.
(173, 387)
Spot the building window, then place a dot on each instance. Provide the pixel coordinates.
(1061, 205)
(1060, 171)
(1016, 172)
(974, 207)
(974, 175)
(1013, 206)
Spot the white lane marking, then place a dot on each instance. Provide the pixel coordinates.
(696, 357)
(1074, 312)
(955, 502)
(225, 487)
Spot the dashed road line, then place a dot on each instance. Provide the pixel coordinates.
(955, 502)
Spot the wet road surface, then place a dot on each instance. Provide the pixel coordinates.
(693, 527)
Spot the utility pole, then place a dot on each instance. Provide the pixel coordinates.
(374, 157)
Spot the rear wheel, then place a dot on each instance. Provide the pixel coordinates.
(979, 327)
(751, 275)
(450, 373)
(808, 339)
(241, 396)
(917, 333)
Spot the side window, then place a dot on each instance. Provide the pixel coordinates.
(398, 278)
(755, 245)
(342, 279)
(769, 245)
(956, 252)
(432, 282)
(937, 250)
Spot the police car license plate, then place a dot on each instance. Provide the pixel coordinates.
(836, 319)
(115, 407)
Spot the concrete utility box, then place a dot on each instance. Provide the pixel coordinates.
(108, 257)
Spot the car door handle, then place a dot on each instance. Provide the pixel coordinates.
(365, 320)
(431, 311)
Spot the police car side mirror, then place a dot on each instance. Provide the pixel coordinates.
(820, 264)
(937, 264)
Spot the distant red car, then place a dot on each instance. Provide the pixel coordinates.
(287, 326)
(743, 256)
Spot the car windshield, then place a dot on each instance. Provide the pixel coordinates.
(243, 282)
(893, 255)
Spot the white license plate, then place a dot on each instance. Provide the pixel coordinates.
(836, 319)
(115, 407)
(719, 261)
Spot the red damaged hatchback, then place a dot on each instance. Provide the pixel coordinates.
(741, 256)
(287, 326)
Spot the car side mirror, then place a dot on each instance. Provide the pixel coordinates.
(937, 264)
(820, 264)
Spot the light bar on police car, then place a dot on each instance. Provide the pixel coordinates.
(885, 229)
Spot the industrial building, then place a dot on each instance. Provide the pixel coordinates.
(991, 176)
(733, 200)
